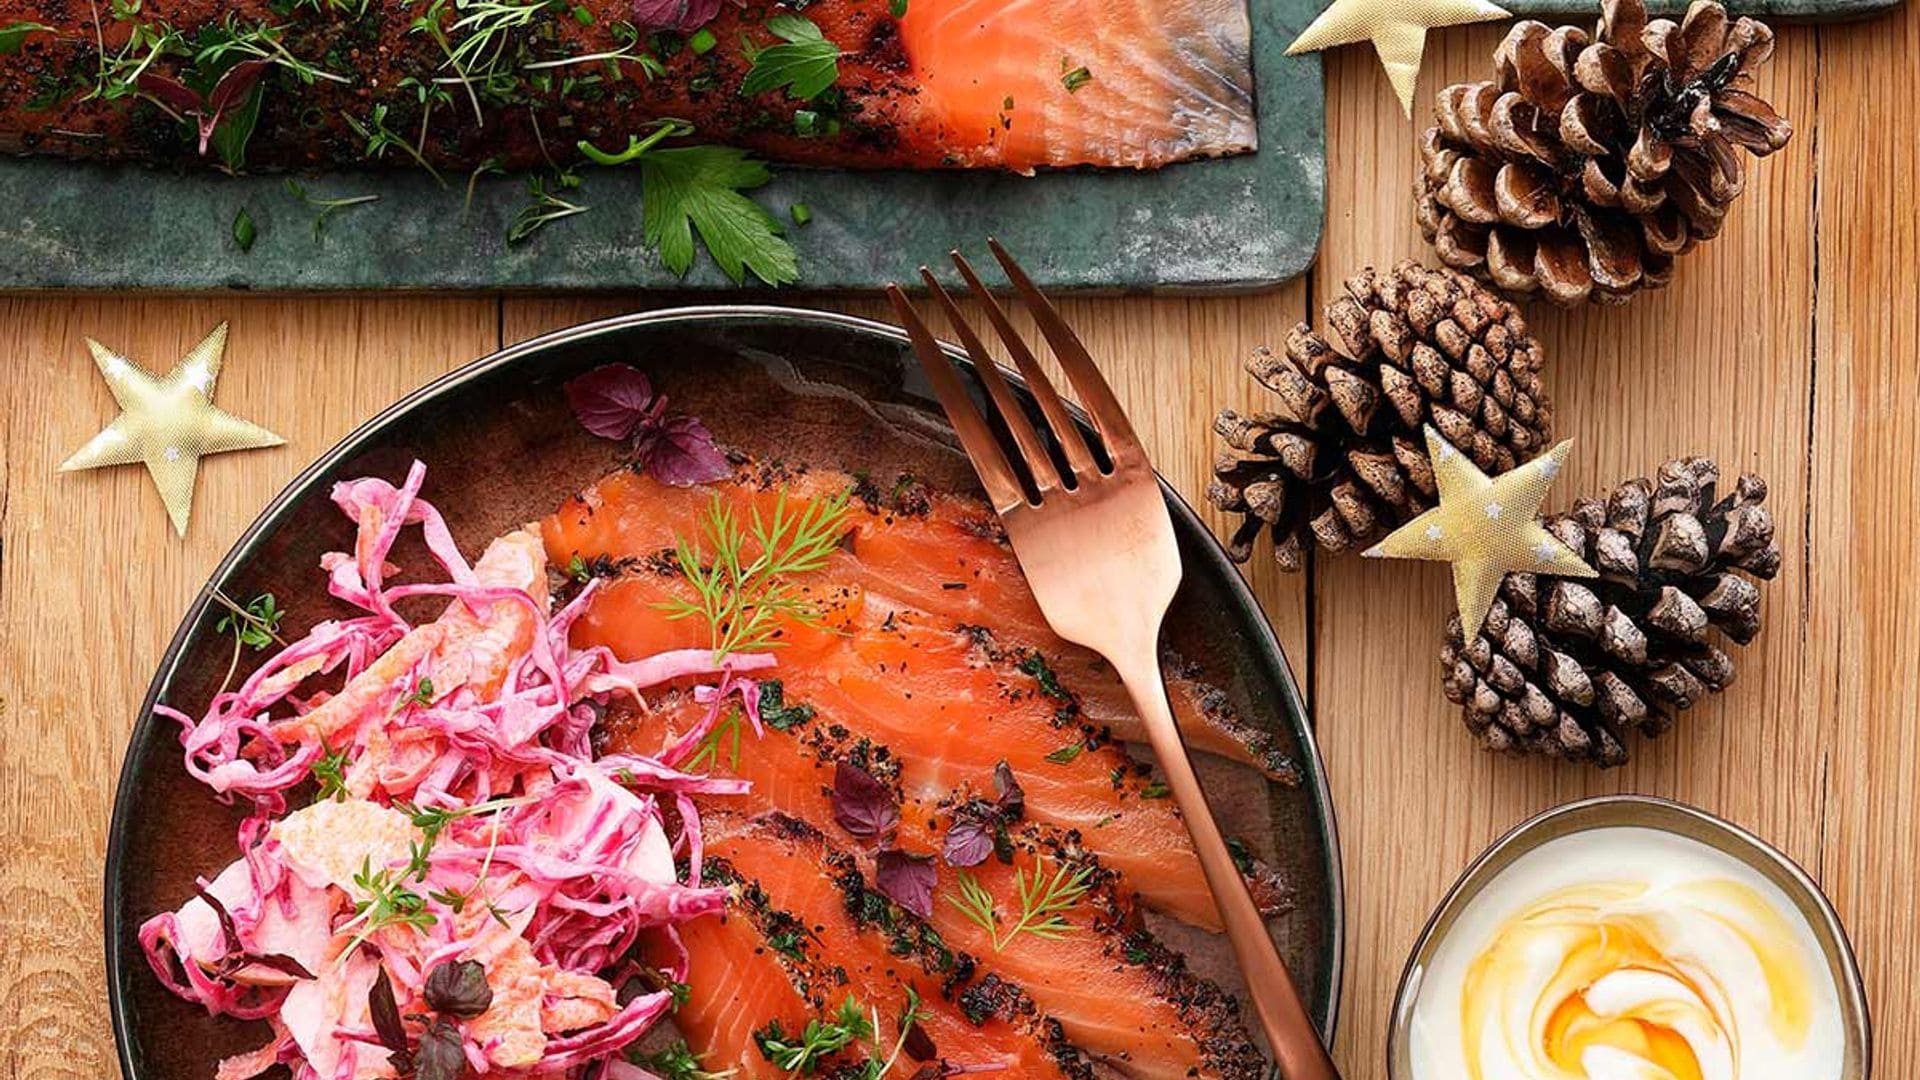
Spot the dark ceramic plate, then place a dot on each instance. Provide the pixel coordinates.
(502, 448)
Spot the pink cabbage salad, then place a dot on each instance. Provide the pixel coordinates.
(465, 891)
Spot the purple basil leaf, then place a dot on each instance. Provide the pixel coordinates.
(441, 1057)
(611, 401)
(679, 451)
(685, 16)
(227, 929)
(285, 965)
(862, 805)
(170, 91)
(907, 880)
(386, 1015)
(1008, 797)
(458, 988)
(968, 844)
(236, 83)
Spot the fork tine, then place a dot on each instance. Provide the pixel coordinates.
(1045, 476)
(976, 438)
(1079, 457)
(1115, 429)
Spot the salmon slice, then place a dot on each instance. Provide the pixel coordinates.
(941, 84)
(736, 985)
(812, 907)
(907, 547)
(1173, 1025)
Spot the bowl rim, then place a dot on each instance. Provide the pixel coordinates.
(134, 761)
(1627, 810)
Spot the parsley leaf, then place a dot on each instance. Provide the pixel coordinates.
(806, 63)
(699, 187)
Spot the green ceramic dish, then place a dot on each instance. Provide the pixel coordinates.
(502, 448)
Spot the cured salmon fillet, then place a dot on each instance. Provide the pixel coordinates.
(921, 84)
(907, 548)
(1172, 1025)
(811, 906)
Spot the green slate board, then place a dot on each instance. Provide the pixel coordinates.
(1232, 224)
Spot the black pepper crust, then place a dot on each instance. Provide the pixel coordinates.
(529, 117)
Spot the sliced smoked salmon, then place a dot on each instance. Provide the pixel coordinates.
(906, 547)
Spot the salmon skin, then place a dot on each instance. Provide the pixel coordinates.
(917, 84)
(909, 548)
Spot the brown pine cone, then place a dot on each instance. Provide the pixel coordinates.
(1588, 164)
(1344, 459)
(1563, 667)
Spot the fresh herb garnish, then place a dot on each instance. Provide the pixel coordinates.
(1075, 79)
(327, 207)
(636, 144)
(802, 1053)
(677, 1062)
(1156, 790)
(979, 827)
(728, 731)
(458, 988)
(543, 209)
(330, 773)
(1044, 902)
(1036, 665)
(387, 903)
(244, 230)
(14, 35)
(907, 880)
(897, 8)
(1066, 754)
(698, 188)
(805, 62)
(616, 401)
(257, 625)
(862, 805)
(1242, 858)
(743, 597)
(801, 213)
(422, 695)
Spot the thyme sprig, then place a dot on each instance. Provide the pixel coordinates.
(1044, 902)
(742, 587)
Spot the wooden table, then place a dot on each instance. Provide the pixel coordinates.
(1787, 348)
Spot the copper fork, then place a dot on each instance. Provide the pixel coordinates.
(1097, 546)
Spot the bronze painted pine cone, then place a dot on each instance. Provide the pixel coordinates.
(1589, 164)
(1566, 667)
(1343, 459)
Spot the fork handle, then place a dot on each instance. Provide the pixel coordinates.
(1295, 1041)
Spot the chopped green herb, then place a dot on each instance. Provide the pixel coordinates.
(898, 8)
(578, 570)
(702, 42)
(805, 62)
(774, 710)
(1067, 753)
(677, 1062)
(1242, 858)
(14, 35)
(1036, 666)
(422, 695)
(802, 214)
(583, 15)
(1075, 79)
(636, 145)
(1155, 790)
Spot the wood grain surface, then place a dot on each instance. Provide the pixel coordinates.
(1787, 348)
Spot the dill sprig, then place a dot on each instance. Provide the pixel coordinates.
(1044, 902)
(741, 588)
(728, 731)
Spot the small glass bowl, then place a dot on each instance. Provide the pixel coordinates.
(1649, 813)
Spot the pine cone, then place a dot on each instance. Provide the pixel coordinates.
(1563, 667)
(1588, 165)
(1345, 460)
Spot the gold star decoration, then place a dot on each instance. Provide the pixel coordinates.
(1487, 527)
(168, 423)
(1397, 28)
